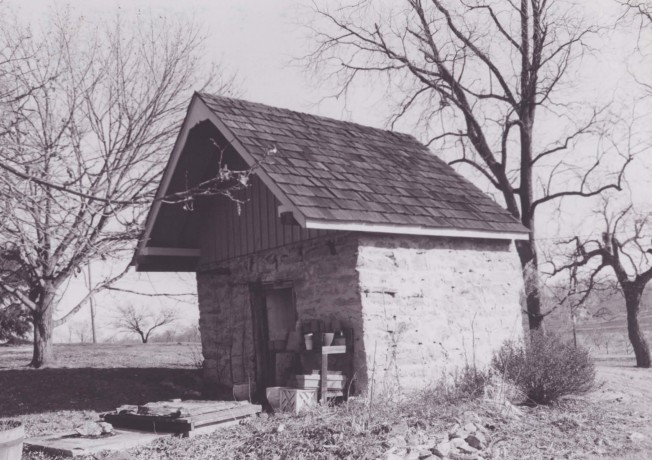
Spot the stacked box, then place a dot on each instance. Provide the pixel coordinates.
(296, 400)
(312, 381)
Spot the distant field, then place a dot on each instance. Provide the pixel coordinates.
(105, 356)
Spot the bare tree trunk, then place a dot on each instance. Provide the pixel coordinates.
(43, 354)
(43, 318)
(636, 336)
(528, 255)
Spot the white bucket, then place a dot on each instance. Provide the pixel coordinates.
(273, 395)
(243, 391)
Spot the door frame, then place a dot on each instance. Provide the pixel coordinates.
(264, 359)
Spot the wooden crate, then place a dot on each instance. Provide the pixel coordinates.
(312, 381)
(296, 400)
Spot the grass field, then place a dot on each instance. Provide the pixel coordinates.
(107, 356)
(90, 379)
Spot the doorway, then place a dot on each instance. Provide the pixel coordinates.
(274, 316)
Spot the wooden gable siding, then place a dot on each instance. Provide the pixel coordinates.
(226, 235)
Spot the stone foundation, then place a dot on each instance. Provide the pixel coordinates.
(419, 306)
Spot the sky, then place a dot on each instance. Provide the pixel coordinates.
(260, 40)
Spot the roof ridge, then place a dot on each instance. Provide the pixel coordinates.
(319, 117)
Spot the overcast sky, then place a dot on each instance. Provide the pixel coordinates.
(260, 39)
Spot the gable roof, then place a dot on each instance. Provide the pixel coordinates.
(336, 175)
(351, 175)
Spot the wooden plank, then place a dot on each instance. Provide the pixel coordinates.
(207, 429)
(272, 220)
(186, 408)
(225, 415)
(333, 350)
(238, 238)
(244, 226)
(255, 218)
(263, 224)
(324, 378)
(220, 230)
(215, 227)
(148, 423)
(204, 407)
(229, 233)
(250, 224)
(211, 225)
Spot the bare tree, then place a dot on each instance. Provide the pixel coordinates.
(477, 74)
(81, 331)
(143, 321)
(639, 9)
(622, 250)
(82, 152)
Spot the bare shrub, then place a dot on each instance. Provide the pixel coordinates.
(466, 384)
(546, 369)
(469, 383)
(196, 357)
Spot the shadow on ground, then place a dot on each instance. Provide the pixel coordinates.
(30, 391)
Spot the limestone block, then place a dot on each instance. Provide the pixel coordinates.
(444, 290)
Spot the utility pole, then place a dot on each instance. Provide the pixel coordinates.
(92, 302)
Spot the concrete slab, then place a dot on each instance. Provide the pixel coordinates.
(70, 444)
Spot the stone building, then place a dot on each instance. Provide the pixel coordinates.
(360, 228)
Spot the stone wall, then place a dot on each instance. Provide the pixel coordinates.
(431, 305)
(325, 281)
(420, 306)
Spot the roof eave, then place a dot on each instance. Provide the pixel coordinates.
(415, 230)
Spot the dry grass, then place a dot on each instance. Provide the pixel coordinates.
(106, 356)
(53, 400)
(574, 429)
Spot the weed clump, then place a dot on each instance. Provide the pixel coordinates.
(469, 384)
(546, 368)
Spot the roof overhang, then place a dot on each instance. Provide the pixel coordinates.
(413, 230)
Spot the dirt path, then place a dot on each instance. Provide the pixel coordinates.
(627, 391)
(633, 385)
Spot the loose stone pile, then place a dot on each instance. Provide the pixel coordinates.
(467, 440)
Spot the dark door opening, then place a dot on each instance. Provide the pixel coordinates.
(274, 316)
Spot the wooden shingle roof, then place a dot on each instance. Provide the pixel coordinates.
(338, 173)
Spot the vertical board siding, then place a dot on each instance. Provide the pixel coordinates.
(228, 235)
